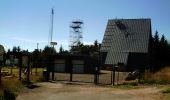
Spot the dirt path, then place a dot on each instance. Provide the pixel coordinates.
(64, 91)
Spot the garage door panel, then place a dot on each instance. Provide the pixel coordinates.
(59, 61)
(78, 68)
(78, 62)
(59, 68)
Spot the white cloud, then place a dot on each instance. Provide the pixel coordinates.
(63, 42)
(88, 42)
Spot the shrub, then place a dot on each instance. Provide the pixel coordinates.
(147, 81)
(162, 81)
(167, 90)
(160, 77)
(1, 97)
(9, 88)
(127, 85)
(9, 95)
(130, 83)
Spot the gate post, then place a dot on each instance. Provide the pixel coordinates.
(113, 76)
(52, 65)
(71, 73)
(1, 59)
(53, 74)
(114, 69)
(0, 75)
(28, 69)
(96, 76)
(20, 65)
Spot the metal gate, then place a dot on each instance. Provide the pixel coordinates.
(74, 77)
(107, 77)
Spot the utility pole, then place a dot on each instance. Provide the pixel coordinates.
(2, 51)
(52, 43)
(37, 59)
(51, 25)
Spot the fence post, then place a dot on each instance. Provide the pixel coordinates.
(53, 74)
(2, 50)
(28, 69)
(71, 73)
(52, 65)
(114, 69)
(20, 65)
(0, 76)
(113, 76)
(96, 76)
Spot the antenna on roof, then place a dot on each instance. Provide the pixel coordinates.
(122, 27)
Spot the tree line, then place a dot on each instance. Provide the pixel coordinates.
(39, 58)
(159, 50)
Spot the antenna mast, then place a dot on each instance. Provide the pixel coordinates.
(51, 25)
(51, 42)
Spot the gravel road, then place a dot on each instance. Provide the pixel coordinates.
(75, 91)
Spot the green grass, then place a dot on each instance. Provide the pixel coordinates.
(9, 88)
(165, 93)
(165, 96)
(11, 85)
(127, 85)
(15, 70)
(161, 77)
(166, 90)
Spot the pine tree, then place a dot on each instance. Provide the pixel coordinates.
(61, 50)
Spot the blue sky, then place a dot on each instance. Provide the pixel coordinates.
(25, 23)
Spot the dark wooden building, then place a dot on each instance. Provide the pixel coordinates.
(126, 42)
(65, 63)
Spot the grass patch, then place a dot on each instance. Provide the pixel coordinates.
(147, 81)
(166, 90)
(162, 77)
(127, 85)
(9, 88)
(15, 70)
(165, 93)
(11, 82)
(11, 85)
(165, 96)
(36, 78)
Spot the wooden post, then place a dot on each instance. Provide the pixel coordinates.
(117, 77)
(28, 69)
(20, 65)
(53, 74)
(96, 76)
(2, 50)
(0, 76)
(71, 74)
(71, 69)
(36, 68)
(113, 80)
(52, 65)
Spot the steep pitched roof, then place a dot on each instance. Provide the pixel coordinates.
(116, 57)
(123, 36)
